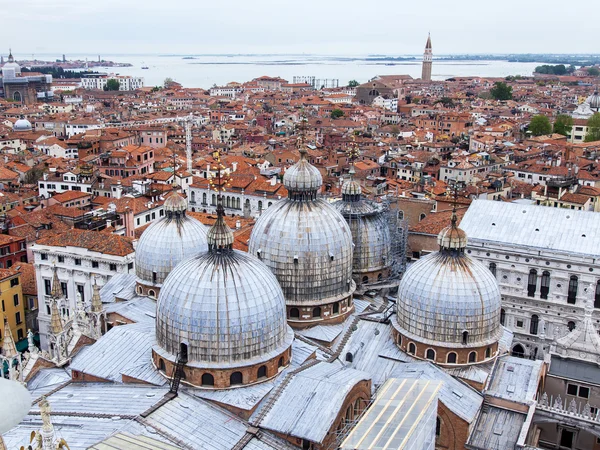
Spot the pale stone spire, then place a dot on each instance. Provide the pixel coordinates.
(56, 292)
(56, 324)
(9, 349)
(96, 300)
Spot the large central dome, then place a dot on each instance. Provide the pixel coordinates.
(165, 243)
(225, 311)
(448, 307)
(307, 244)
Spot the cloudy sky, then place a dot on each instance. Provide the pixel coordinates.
(305, 26)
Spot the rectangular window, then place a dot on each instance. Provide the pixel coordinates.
(77, 261)
(47, 286)
(95, 264)
(18, 317)
(43, 256)
(16, 299)
(14, 282)
(61, 259)
(130, 266)
(113, 267)
(81, 292)
(63, 288)
(31, 302)
(520, 323)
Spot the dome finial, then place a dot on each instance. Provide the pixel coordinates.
(10, 56)
(453, 238)
(351, 190)
(220, 236)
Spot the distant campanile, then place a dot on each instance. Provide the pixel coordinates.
(427, 61)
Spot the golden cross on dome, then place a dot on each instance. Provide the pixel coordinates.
(353, 150)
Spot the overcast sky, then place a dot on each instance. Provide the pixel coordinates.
(301, 26)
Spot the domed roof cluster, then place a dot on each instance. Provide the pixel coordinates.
(447, 299)
(305, 242)
(224, 305)
(167, 242)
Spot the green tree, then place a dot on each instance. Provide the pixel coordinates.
(112, 85)
(593, 131)
(352, 83)
(540, 125)
(337, 113)
(447, 102)
(593, 71)
(168, 82)
(501, 91)
(563, 124)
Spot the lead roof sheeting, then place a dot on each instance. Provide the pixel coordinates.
(121, 285)
(198, 424)
(126, 441)
(120, 349)
(515, 379)
(145, 372)
(478, 373)
(138, 309)
(497, 429)
(244, 397)
(575, 369)
(48, 377)
(324, 333)
(310, 403)
(560, 229)
(460, 398)
(394, 416)
(104, 398)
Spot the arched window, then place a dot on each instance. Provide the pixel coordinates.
(151, 293)
(161, 365)
(235, 378)
(193, 199)
(488, 352)
(349, 357)
(572, 294)
(438, 427)
(365, 279)
(412, 348)
(262, 372)
(228, 202)
(399, 339)
(208, 380)
(140, 290)
(430, 354)
(294, 313)
(451, 358)
(260, 205)
(545, 286)
(571, 325)
(422, 216)
(532, 283)
(316, 312)
(493, 268)
(518, 351)
(237, 203)
(336, 308)
(465, 337)
(269, 204)
(357, 407)
(17, 96)
(502, 317)
(280, 362)
(204, 198)
(533, 324)
(473, 357)
(379, 277)
(214, 199)
(154, 276)
(597, 297)
(400, 215)
(183, 352)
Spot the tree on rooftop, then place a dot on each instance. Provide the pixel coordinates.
(501, 91)
(352, 83)
(593, 71)
(337, 113)
(540, 125)
(112, 85)
(593, 131)
(563, 124)
(447, 102)
(168, 82)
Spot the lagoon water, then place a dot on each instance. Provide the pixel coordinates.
(207, 70)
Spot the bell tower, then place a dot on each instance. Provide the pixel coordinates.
(427, 61)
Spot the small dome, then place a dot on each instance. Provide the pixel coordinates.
(452, 238)
(22, 125)
(167, 242)
(351, 188)
(226, 306)
(302, 177)
(594, 101)
(175, 203)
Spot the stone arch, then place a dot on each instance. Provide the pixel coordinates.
(294, 313)
(262, 372)
(473, 357)
(207, 379)
(430, 354)
(412, 348)
(518, 351)
(451, 358)
(17, 97)
(236, 378)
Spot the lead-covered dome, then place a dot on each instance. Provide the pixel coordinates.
(446, 299)
(227, 311)
(594, 101)
(22, 125)
(307, 244)
(167, 242)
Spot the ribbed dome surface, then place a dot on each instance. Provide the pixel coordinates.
(452, 237)
(175, 203)
(165, 244)
(446, 293)
(370, 234)
(594, 101)
(227, 307)
(308, 246)
(302, 177)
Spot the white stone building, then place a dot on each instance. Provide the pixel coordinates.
(126, 83)
(81, 257)
(546, 260)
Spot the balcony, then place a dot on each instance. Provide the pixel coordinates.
(562, 182)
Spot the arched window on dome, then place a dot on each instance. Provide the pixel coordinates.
(502, 316)
(493, 269)
(161, 365)
(140, 290)
(465, 337)
(532, 283)
(412, 348)
(262, 372)
(451, 358)
(183, 352)
(349, 357)
(316, 312)
(294, 313)
(154, 275)
(430, 354)
(571, 325)
(399, 339)
(533, 324)
(545, 285)
(207, 380)
(379, 277)
(336, 308)
(518, 351)
(280, 362)
(473, 357)
(572, 294)
(151, 293)
(236, 378)
(365, 279)
(488, 352)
